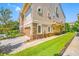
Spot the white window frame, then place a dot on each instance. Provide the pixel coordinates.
(37, 29)
(40, 11)
(48, 29)
(49, 15)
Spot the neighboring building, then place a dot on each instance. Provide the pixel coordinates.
(38, 20)
(71, 24)
(78, 17)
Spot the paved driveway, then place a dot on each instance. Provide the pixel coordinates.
(73, 49)
(8, 45)
(18, 44)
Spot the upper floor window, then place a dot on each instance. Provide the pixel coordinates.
(56, 12)
(53, 15)
(57, 15)
(40, 11)
(49, 16)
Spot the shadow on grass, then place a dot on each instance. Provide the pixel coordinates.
(57, 54)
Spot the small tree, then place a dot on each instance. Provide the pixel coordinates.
(67, 27)
(5, 17)
(76, 26)
(14, 25)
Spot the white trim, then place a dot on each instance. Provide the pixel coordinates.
(41, 10)
(48, 29)
(41, 28)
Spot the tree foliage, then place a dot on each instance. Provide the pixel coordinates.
(76, 26)
(6, 21)
(5, 15)
(67, 27)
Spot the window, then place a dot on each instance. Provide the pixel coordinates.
(39, 29)
(53, 15)
(57, 13)
(49, 29)
(49, 16)
(40, 11)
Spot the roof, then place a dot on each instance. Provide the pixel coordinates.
(25, 8)
(62, 10)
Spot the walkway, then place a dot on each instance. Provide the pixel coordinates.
(73, 49)
(8, 45)
(33, 43)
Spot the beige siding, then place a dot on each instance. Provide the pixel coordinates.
(41, 19)
(34, 19)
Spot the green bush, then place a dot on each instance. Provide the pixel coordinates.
(57, 54)
(13, 33)
(1, 54)
(3, 30)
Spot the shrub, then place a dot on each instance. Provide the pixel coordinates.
(58, 54)
(13, 33)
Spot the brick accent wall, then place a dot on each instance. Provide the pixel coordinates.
(55, 27)
(34, 28)
(39, 36)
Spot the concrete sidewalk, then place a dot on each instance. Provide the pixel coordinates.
(33, 43)
(73, 48)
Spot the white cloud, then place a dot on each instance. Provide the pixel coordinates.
(15, 7)
(9, 4)
(18, 9)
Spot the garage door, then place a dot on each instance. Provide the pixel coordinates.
(27, 31)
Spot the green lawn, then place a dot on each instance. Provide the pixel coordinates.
(49, 48)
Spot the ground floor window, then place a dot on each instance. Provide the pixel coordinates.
(49, 29)
(39, 28)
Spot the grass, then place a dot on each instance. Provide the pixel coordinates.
(48, 48)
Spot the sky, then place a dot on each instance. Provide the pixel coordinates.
(14, 7)
(70, 10)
